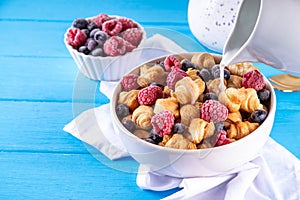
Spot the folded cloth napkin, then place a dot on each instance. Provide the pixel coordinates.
(273, 174)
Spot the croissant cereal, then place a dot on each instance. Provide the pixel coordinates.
(203, 60)
(142, 115)
(240, 129)
(151, 74)
(241, 68)
(201, 129)
(187, 91)
(197, 112)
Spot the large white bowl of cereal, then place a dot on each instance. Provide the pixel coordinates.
(173, 116)
(100, 45)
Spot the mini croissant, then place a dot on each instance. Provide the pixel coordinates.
(240, 129)
(142, 115)
(151, 74)
(170, 104)
(177, 141)
(233, 118)
(187, 91)
(234, 81)
(129, 98)
(242, 98)
(241, 68)
(187, 113)
(201, 129)
(203, 60)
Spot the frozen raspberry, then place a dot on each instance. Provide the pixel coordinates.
(100, 19)
(253, 79)
(129, 46)
(170, 62)
(129, 82)
(175, 75)
(115, 46)
(112, 27)
(220, 138)
(213, 111)
(132, 35)
(126, 23)
(163, 122)
(148, 95)
(76, 37)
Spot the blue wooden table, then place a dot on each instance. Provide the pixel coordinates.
(41, 90)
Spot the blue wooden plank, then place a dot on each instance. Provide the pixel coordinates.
(68, 176)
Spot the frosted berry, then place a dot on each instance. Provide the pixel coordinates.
(175, 75)
(129, 46)
(115, 46)
(92, 25)
(91, 44)
(86, 31)
(122, 110)
(178, 128)
(100, 19)
(163, 122)
(92, 33)
(132, 35)
(213, 111)
(129, 82)
(219, 126)
(155, 137)
(84, 49)
(170, 62)
(97, 52)
(216, 74)
(112, 27)
(148, 95)
(100, 37)
(129, 125)
(205, 74)
(80, 23)
(258, 116)
(76, 37)
(220, 138)
(126, 23)
(253, 79)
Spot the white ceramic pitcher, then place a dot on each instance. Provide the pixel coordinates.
(266, 31)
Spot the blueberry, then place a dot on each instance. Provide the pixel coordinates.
(214, 68)
(154, 137)
(122, 110)
(129, 125)
(156, 84)
(92, 33)
(83, 49)
(205, 74)
(160, 63)
(216, 74)
(98, 51)
(150, 140)
(185, 65)
(258, 116)
(91, 44)
(91, 26)
(263, 95)
(178, 128)
(86, 32)
(80, 23)
(219, 126)
(210, 96)
(100, 37)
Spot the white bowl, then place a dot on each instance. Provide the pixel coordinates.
(193, 163)
(107, 68)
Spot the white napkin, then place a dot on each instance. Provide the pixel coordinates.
(273, 174)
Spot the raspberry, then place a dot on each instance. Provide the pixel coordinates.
(170, 62)
(126, 23)
(175, 75)
(100, 19)
(220, 138)
(129, 82)
(112, 27)
(129, 46)
(163, 122)
(213, 111)
(253, 79)
(76, 37)
(148, 95)
(115, 46)
(132, 35)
